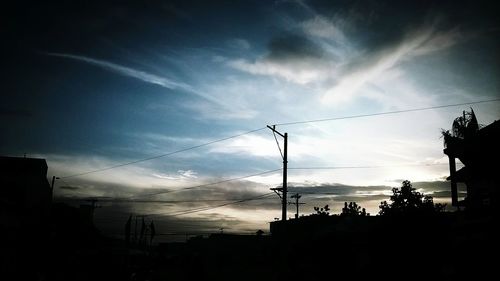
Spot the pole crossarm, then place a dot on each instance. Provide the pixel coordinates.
(273, 128)
(277, 190)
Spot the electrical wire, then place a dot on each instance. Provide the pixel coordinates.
(278, 124)
(367, 167)
(168, 201)
(133, 199)
(203, 185)
(206, 208)
(162, 155)
(383, 113)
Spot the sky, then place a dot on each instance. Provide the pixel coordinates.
(89, 85)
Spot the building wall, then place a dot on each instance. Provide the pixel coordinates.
(25, 194)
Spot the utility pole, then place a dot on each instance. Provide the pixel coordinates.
(297, 197)
(92, 208)
(54, 178)
(284, 155)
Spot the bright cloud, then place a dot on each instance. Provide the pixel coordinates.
(297, 72)
(419, 43)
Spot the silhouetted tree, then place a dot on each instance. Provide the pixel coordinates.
(463, 127)
(409, 201)
(322, 211)
(352, 209)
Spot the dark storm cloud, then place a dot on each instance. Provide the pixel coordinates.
(447, 194)
(229, 191)
(69, 187)
(432, 186)
(335, 189)
(84, 188)
(361, 198)
(342, 193)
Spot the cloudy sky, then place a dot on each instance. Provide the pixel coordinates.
(90, 85)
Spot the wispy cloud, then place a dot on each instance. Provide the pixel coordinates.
(327, 56)
(181, 174)
(441, 41)
(298, 72)
(370, 67)
(146, 77)
(127, 71)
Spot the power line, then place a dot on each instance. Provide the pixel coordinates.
(278, 124)
(317, 193)
(262, 196)
(203, 185)
(132, 199)
(192, 233)
(120, 200)
(167, 201)
(383, 113)
(367, 167)
(162, 155)
(206, 208)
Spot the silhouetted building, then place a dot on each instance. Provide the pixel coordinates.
(25, 202)
(25, 194)
(479, 150)
(322, 225)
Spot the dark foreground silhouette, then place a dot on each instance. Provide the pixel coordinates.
(444, 246)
